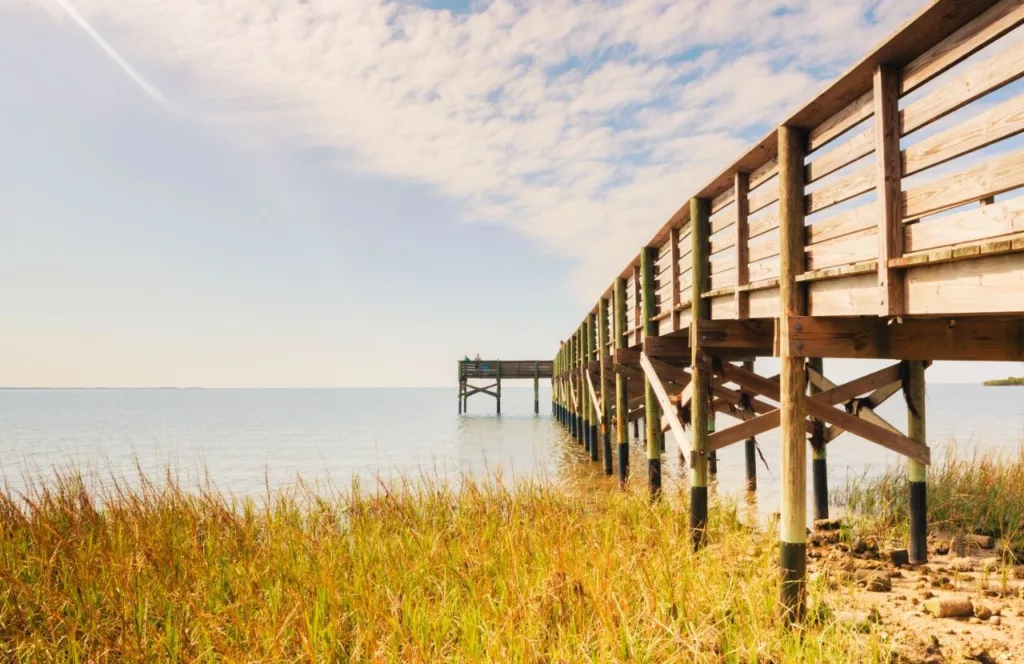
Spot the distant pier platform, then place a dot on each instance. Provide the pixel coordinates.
(497, 371)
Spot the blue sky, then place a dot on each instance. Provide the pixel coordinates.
(355, 194)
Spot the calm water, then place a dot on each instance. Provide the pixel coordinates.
(243, 440)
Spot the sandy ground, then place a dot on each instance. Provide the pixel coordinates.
(978, 583)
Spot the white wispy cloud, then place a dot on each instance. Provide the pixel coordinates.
(581, 123)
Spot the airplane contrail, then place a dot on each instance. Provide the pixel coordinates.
(145, 85)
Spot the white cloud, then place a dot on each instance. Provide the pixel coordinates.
(581, 123)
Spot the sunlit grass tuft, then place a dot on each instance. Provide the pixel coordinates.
(410, 572)
(975, 492)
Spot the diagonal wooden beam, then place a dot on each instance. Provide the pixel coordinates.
(872, 401)
(594, 398)
(750, 428)
(890, 440)
(748, 380)
(668, 408)
(669, 373)
(572, 392)
(833, 394)
(471, 390)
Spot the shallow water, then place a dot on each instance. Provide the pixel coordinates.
(242, 441)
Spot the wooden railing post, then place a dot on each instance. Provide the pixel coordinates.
(741, 187)
(652, 418)
(700, 411)
(497, 370)
(793, 527)
(917, 471)
(621, 407)
(889, 176)
(602, 353)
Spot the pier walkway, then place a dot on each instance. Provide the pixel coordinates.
(884, 219)
(499, 370)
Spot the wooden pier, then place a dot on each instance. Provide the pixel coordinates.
(847, 232)
(497, 371)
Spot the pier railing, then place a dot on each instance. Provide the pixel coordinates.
(883, 219)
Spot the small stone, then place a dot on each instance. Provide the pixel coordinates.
(995, 620)
(874, 581)
(974, 621)
(982, 612)
(982, 541)
(927, 594)
(950, 607)
(828, 524)
(898, 557)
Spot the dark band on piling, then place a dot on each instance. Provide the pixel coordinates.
(593, 442)
(819, 472)
(654, 477)
(751, 454)
(918, 523)
(699, 516)
(794, 569)
(623, 462)
(606, 451)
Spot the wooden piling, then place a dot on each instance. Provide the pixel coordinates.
(917, 472)
(793, 526)
(497, 369)
(536, 388)
(750, 448)
(621, 408)
(652, 418)
(700, 411)
(591, 408)
(819, 463)
(578, 388)
(602, 356)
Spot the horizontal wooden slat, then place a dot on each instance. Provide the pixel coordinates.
(990, 284)
(856, 148)
(723, 221)
(723, 263)
(724, 278)
(764, 249)
(722, 200)
(764, 172)
(1003, 218)
(765, 269)
(858, 111)
(853, 185)
(963, 43)
(987, 179)
(859, 246)
(985, 77)
(844, 223)
(722, 242)
(993, 125)
(763, 224)
(1006, 244)
(762, 197)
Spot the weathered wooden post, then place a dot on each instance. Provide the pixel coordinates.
(793, 526)
(536, 387)
(460, 387)
(578, 405)
(621, 406)
(917, 471)
(652, 419)
(498, 376)
(584, 398)
(700, 415)
(602, 353)
(819, 462)
(750, 448)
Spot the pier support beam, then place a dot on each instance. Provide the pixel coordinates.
(498, 386)
(592, 355)
(700, 404)
(918, 472)
(536, 389)
(819, 461)
(750, 448)
(793, 526)
(621, 408)
(652, 418)
(603, 355)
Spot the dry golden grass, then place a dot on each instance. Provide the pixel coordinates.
(410, 573)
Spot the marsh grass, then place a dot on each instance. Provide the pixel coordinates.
(413, 572)
(974, 492)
